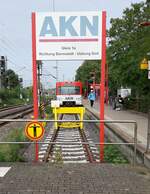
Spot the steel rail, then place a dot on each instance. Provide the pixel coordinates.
(2, 109)
(4, 118)
(50, 147)
(86, 146)
(15, 110)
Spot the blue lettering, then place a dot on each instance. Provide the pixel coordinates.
(48, 27)
(92, 27)
(67, 26)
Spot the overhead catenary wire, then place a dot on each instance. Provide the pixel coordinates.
(11, 56)
(10, 59)
(6, 49)
(7, 45)
(13, 44)
(9, 48)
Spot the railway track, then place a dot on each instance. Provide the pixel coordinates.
(68, 146)
(15, 112)
(9, 107)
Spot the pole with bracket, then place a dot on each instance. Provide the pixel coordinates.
(34, 71)
(148, 132)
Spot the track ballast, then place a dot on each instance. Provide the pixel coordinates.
(65, 145)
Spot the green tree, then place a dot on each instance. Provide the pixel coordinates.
(83, 73)
(128, 45)
(11, 79)
(27, 93)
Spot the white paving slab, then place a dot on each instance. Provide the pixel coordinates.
(4, 170)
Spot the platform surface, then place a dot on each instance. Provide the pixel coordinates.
(74, 179)
(110, 114)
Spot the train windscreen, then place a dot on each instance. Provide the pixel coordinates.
(65, 90)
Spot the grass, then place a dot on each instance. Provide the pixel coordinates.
(48, 110)
(114, 155)
(12, 152)
(58, 156)
(47, 114)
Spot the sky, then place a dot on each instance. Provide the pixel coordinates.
(15, 34)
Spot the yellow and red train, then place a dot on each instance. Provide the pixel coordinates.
(69, 93)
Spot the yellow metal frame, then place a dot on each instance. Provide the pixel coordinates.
(68, 110)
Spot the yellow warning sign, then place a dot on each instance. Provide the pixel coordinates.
(144, 64)
(34, 130)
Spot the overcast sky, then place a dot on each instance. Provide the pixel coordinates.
(15, 33)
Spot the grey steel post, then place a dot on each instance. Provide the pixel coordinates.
(135, 143)
(148, 133)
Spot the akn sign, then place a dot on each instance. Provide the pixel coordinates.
(68, 36)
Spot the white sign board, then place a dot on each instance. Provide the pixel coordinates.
(55, 103)
(148, 74)
(148, 69)
(149, 65)
(68, 35)
(124, 92)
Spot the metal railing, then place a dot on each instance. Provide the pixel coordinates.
(134, 143)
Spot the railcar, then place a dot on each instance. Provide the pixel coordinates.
(69, 94)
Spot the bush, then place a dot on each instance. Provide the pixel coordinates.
(10, 97)
(140, 105)
(12, 152)
(114, 155)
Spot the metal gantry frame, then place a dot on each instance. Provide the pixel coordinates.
(69, 110)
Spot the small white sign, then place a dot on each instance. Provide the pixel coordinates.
(68, 35)
(55, 103)
(148, 74)
(4, 170)
(148, 65)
